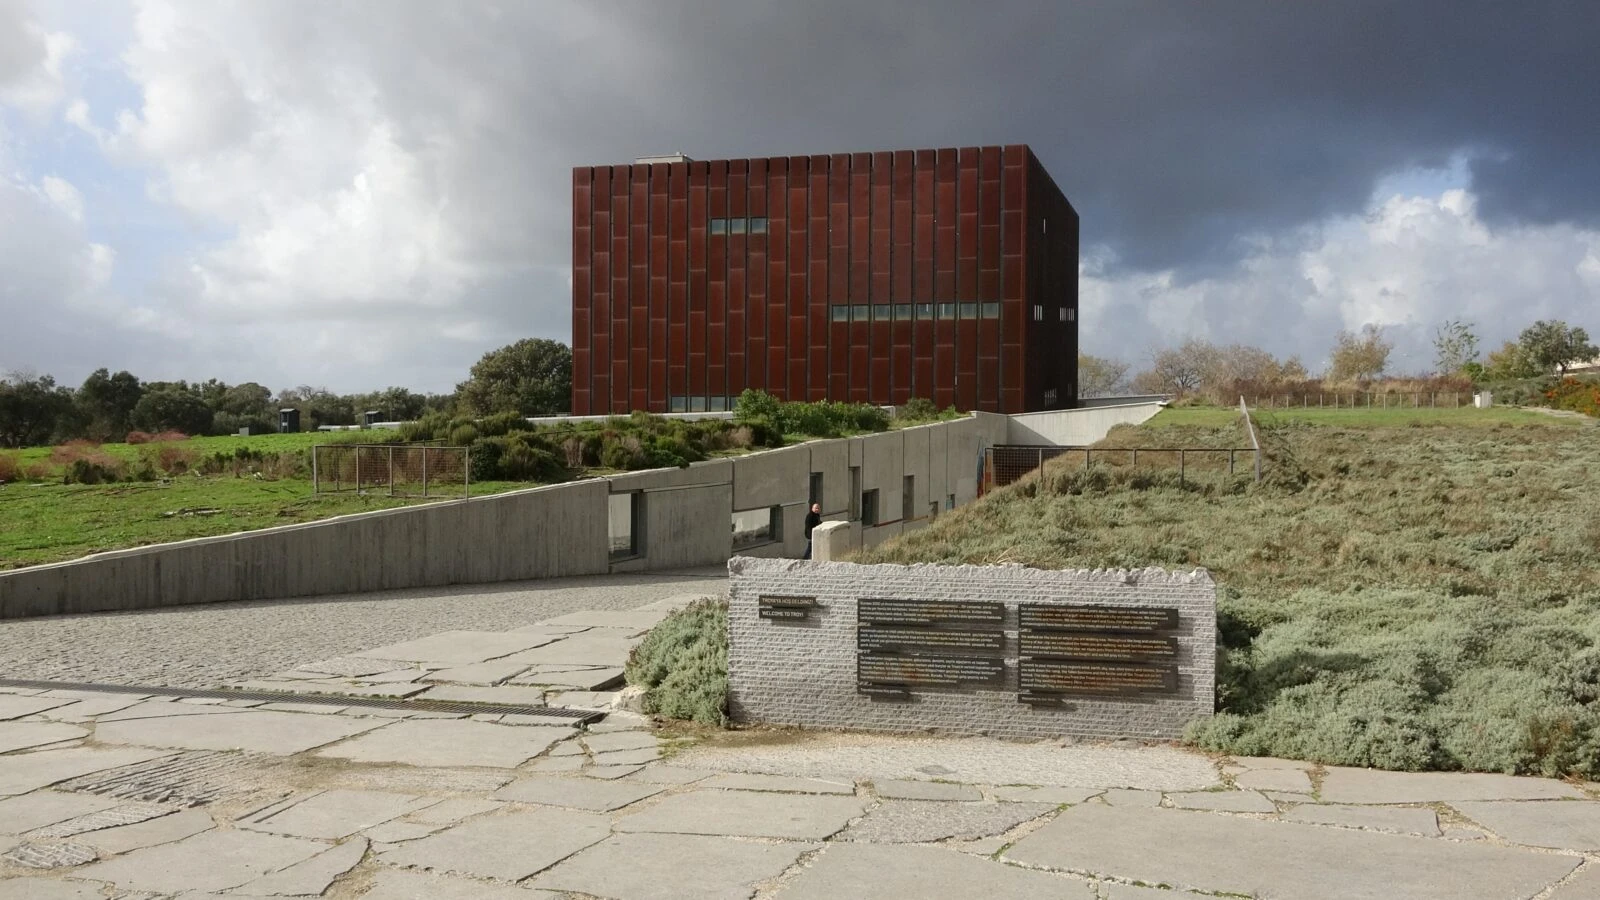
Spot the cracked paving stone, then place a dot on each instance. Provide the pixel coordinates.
(23, 735)
(1053, 795)
(213, 861)
(669, 775)
(163, 830)
(627, 757)
(671, 867)
(1293, 781)
(252, 730)
(397, 884)
(449, 742)
(740, 781)
(609, 772)
(13, 706)
(459, 648)
(312, 877)
(1398, 819)
(577, 793)
(1207, 852)
(50, 855)
(926, 873)
(1343, 785)
(613, 741)
(795, 817)
(336, 814)
(126, 814)
(925, 821)
(1223, 801)
(449, 812)
(926, 790)
(1553, 824)
(509, 847)
(21, 774)
(50, 889)
(20, 815)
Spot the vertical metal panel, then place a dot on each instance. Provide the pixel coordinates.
(738, 291)
(988, 388)
(717, 287)
(816, 358)
(798, 263)
(755, 351)
(699, 259)
(777, 276)
(678, 282)
(582, 287)
(944, 276)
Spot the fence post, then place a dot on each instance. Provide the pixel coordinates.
(466, 475)
(424, 471)
(358, 470)
(1086, 459)
(1230, 461)
(1136, 457)
(391, 470)
(315, 484)
(1181, 468)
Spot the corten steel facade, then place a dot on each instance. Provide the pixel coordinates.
(950, 275)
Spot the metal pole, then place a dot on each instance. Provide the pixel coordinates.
(358, 470)
(1136, 457)
(1086, 459)
(1181, 468)
(315, 485)
(466, 475)
(391, 471)
(424, 471)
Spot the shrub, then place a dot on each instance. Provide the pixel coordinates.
(1574, 395)
(10, 469)
(682, 664)
(168, 459)
(464, 435)
(103, 470)
(918, 408)
(166, 437)
(139, 437)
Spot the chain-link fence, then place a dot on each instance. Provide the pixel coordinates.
(398, 470)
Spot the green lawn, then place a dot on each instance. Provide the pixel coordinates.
(1362, 417)
(205, 446)
(50, 522)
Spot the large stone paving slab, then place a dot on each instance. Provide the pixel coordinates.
(213, 861)
(459, 648)
(164, 709)
(31, 771)
(338, 813)
(1556, 824)
(1341, 785)
(577, 793)
(48, 889)
(13, 706)
(20, 815)
(450, 742)
(795, 817)
(740, 781)
(924, 821)
(484, 673)
(1206, 851)
(1585, 885)
(397, 884)
(672, 867)
(1399, 819)
(588, 649)
(253, 730)
(164, 830)
(965, 760)
(509, 847)
(312, 877)
(926, 873)
(22, 735)
(636, 621)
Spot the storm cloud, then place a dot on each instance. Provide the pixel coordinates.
(365, 193)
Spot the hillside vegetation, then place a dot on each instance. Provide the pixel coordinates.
(1411, 594)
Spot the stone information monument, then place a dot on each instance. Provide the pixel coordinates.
(1004, 651)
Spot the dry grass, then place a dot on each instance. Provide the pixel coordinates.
(1410, 597)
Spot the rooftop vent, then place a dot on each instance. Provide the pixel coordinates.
(668, 158)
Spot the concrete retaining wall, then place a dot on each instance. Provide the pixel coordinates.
(685, 520)
(804, 671)
(1075, 427)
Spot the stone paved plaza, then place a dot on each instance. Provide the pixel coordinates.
(147, 796)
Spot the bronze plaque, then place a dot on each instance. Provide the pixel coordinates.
(1096, 618)
(929, 641)
(906, 644)
(930, 612)
(1091, 646)
(785, 609)
(1039, 679)
(928, 671)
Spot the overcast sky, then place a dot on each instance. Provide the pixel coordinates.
(359, 194)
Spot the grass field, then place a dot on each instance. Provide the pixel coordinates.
(1466, 417)
(1402, 596)
(50, 522)
(265, 443)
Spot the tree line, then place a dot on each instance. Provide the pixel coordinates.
(1357, 360)
(529, 377)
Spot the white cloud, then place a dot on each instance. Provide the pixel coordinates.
(1409, 264)
(66, 197)
(31, 62)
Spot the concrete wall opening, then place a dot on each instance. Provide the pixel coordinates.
(754, 527)
(625, 523)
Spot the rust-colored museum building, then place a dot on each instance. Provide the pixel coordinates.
(949, 274)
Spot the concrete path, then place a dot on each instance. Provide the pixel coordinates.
(112, 795)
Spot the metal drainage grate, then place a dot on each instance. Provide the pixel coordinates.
(578, 716)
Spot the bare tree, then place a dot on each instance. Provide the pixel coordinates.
(1178, 370)
(1454, 346)
(1100, 376)
(1359, 357)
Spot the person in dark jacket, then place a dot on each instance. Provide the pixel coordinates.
(813, 519)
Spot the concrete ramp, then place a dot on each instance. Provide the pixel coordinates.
(1076, 427)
